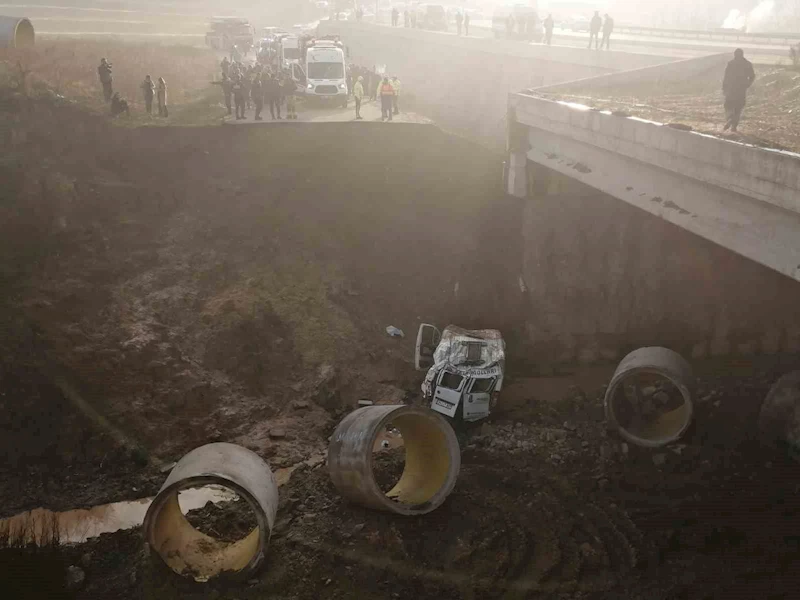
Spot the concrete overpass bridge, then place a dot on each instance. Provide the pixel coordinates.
(633, 233)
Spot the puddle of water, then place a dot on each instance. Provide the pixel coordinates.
(77, 526)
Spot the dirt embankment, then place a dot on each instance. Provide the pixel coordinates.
(208, 284)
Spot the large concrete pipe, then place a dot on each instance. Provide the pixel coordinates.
(779, 420)
(648, 400)
(189, 551)
(16, 32)
(433, 458)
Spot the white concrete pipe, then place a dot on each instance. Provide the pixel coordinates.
(779, 419)
(433, 458)
(648, 400)
(190, 552)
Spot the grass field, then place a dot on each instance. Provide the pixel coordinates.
(69, 68)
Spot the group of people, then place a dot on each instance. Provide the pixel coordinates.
(260, 85)
(598, 24)
(409, 18)
(522, 25)
(150, 90)
(366, 84)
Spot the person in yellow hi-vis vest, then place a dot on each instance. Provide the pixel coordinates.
(396, 86)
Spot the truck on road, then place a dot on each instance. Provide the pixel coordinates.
(326, 71)
(229, 32)
(465, 370)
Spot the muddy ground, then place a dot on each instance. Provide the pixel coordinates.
(170, 287)
(547, 505)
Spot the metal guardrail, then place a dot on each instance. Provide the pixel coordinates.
(713, 34)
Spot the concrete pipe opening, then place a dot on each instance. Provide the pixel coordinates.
(16, 32)
(648, 400)
(779, 419)
(430, 470)
(188, 550)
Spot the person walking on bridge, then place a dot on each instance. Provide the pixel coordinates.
(594, 30)
(387, 99)
(395, 17)
(548, 30)
(466, 23)
(608, 27)
(358, 95)
(739, 76)
(106, 80)
(459, 22)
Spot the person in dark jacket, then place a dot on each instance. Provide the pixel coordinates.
(608, 28)
(272, 95)
(227, 90)
(119, 105)
(548, 30)
(149, 91)
(104, 73)
(739, 76)
(594, 30)
(238, 97)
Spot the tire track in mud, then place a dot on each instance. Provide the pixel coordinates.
(519, 536)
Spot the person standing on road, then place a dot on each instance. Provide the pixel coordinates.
(162, 98)
(246, 84)
(608, 27)
(358, 95)
(272, 95)
(739, 76)
(288, 89)
(387, 99)
(548, 30)
(227, 90)
(257, 93)
(396, 86)
(238, 97)
(106, 80)
(149, 90)
(406, 20)
(459, 22)
(373, 83)
(466, 23)
(594, 30)
(395, 17)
